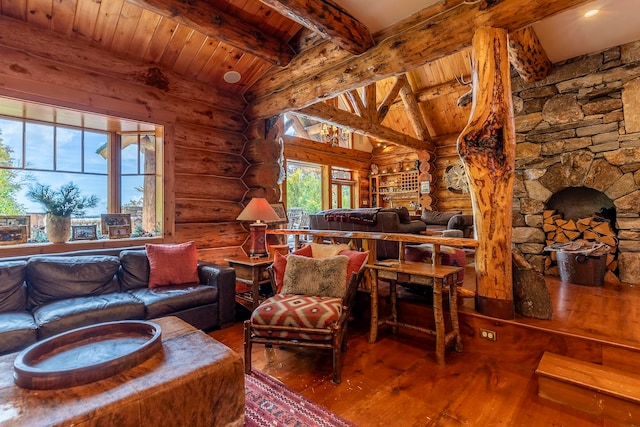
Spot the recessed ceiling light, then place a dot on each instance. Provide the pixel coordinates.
(590, 13)
(232, 77)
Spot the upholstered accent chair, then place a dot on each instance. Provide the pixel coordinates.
(310, 307)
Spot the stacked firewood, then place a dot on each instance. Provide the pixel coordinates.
(589, 230)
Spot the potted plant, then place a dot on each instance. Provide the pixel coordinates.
(60, 205)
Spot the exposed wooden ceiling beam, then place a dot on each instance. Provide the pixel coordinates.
(371, 112)
(413, 110)
(327, 113)
(298, 126)
(388, 100)
(527, 55)
(205, 18)
(400, 52)
(356, 102)
(327, 19)
(347, 102)
(444, 89)
(327, 55)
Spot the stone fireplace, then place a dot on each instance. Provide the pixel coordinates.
(578, 152)
(581, 202)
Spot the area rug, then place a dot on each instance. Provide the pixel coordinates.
(271, 403)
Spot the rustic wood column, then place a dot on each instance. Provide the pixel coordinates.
(487, 147)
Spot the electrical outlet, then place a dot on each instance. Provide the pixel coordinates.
(488, 334)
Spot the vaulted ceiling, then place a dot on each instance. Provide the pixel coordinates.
(290, 54)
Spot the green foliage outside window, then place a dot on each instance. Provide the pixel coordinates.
(9, 184)
(304, 189)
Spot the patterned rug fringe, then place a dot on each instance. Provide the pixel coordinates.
(271, 403)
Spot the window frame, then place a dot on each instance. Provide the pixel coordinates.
(113, 174)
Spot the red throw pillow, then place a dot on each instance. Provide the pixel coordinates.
(280, 264)
(356, 260)
(172, 264)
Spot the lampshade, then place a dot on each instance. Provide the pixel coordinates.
(258, 209)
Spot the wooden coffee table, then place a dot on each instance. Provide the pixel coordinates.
(192, 380)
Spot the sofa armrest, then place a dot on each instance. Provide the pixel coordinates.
(461, 222)
(223, 278)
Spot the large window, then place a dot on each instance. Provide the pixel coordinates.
(304, 192)
(342, 185)
(118, 167)
(304, 187)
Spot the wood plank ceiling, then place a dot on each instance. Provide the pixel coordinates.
(261, 40)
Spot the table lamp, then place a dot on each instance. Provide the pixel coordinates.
(258, 210)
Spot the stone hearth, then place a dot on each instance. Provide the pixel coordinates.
(580, 127)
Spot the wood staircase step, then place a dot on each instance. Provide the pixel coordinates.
(589, 387)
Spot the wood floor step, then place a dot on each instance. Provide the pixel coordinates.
(593, 388)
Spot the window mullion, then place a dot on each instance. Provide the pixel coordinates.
(114, 170)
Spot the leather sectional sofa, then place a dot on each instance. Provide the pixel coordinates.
(41, 296)
(387, 220)
(390, 220)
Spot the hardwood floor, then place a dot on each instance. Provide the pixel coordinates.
(396, 381)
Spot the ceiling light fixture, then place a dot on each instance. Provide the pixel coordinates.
(590, 13)
(232, 77)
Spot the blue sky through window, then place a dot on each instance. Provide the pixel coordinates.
(68, 161)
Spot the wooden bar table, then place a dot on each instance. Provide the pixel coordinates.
(439, 277)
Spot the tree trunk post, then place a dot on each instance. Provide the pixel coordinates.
(487, 147)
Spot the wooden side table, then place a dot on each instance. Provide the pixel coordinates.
(252, 272)
(439, 277)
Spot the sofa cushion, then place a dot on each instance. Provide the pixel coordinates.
(52, 278)
(403, 214)
(71, 313)
(13, 290)
(134, 269)
(17, 331)
(318, 277)
(321, 250)
(436, 217)
(164, 300)
(172, 264)
(462, 222)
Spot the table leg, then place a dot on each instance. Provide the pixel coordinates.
(255, 286)
(453, 308)
(373, 329)
(436, 254)
(393, 296)
(439, 320)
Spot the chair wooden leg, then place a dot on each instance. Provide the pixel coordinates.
(247, 346)
(344, 340)
(337, 358)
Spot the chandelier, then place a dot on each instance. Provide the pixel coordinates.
(334, 135)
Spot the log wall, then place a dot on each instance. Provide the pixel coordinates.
(441, 197)
(204, 127)
(447, 199)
